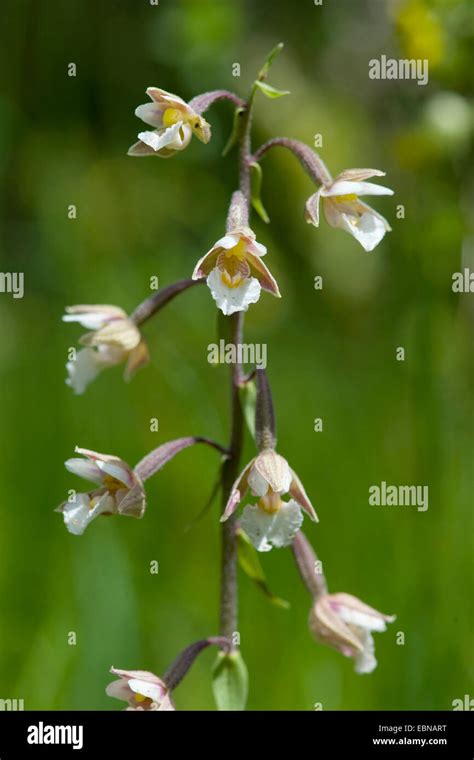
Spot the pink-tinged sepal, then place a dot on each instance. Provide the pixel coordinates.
(299, 494)
(237, 492)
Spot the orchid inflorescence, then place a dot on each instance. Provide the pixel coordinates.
(234, 271)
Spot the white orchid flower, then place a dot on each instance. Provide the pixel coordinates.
(272, 521)
(120, 490)
(113, 339)
(343, 209)
(235, 271)
(175, 122)
(345, 623)
(141, 689)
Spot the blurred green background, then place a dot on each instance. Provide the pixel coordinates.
(331, 353)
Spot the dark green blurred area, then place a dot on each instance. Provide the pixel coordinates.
(331, 353)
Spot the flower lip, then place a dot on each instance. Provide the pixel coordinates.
(271, 528)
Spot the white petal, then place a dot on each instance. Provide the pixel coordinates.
(227, 242)
(175, 137)
(361, 619)
(355, 188)
(78, 514)
(257, 483)
(119, 690)
(274, 469)
(147, 689)
(277, 529)
(91, 320)
(230, 300)
(84, 468)
(288, 521)
(117, 471)
(365, 661)
(257, 524)
(85, 368)
(368, 230)
(257, 248)
(150, 113)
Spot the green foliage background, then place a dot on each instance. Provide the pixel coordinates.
(331, 352)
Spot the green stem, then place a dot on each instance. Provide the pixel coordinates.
(229, 597)
(230, 469)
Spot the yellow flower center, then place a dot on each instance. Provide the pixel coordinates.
(140, 698)
(271, 502)
(233, 265)
(111, 484)
(345, 198)
(171, 116)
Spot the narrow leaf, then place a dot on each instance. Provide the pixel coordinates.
(269, 60)
(230, 681)
(256, 187)
(236, 129)
(269, 91)
(250, 564)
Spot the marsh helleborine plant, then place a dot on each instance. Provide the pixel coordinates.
(236, 275)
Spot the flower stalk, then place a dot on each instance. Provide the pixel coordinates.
(180, 666)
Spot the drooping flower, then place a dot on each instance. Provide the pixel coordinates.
(343, 209)
(113, 339)
(234, 268)
(272, 521)
(345, 623)
(120, 490)
(141, 689)
(174, 121)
